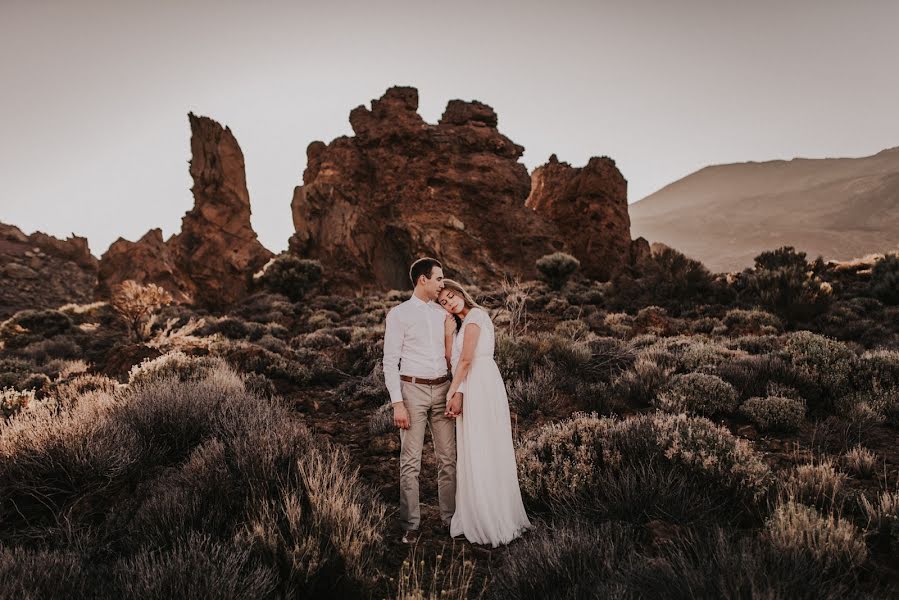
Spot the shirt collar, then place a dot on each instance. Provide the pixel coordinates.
(418, 301)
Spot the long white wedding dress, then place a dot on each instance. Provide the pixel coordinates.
(489, 509)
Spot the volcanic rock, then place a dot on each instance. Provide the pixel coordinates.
(148, 260)
(401, 188)
(589, 206)
(41, 271)
(211, 261)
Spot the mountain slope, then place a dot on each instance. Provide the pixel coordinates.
(725, 215)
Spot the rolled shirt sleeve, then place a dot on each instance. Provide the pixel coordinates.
(393, 348)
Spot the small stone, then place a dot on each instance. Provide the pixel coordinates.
(455, 223)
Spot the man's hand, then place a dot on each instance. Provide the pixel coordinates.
(400, 415)
(449, 324)
(454, 406)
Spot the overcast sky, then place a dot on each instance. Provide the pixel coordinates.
(94, 96)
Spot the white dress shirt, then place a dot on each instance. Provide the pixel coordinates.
(413, 343)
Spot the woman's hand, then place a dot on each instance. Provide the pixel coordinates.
(449, 324)
(454, 405)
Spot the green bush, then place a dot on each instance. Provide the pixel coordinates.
(885, 279)
(557, 268)
(774, 413)
(290, 275)
(697, 393)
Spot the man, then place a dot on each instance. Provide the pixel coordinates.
(417, 377)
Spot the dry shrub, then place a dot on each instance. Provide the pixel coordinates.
(574, 560)
(826, 362)
(641, 383)
(568, 560)
(751, 322)
(801, 531)
(174, 364)
(419, 580)
(12, 401)
(75, 389)
(136, 303)
(697, 393)
(535, 392)
(860, 461)
(197, 567)
(187, 488)
(775, 413)
(381, 420)
(883, 512)
(641, 467)
(815, 484)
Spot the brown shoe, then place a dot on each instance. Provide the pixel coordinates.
(410, 536)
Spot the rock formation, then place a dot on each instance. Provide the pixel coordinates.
(211, 261)
(589, 206)
(148, 260)
(401, 188)
(41, 271)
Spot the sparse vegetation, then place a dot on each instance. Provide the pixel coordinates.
(557, 268)
(249, 452)
(136, 304)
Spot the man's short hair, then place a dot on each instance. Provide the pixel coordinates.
(423, 266)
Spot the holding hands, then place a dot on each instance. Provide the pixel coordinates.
(453, 404)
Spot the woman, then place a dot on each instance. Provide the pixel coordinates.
(489, 509)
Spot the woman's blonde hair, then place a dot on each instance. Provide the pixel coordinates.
(450, 284)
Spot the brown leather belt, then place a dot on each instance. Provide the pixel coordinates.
(423, 380)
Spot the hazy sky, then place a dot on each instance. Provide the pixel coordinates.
(94, 96)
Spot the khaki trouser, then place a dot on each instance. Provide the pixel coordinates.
(426, 404)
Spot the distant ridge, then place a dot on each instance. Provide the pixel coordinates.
(725, 215)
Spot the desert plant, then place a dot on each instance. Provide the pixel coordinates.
(419, 580)
(12, 401)
(697, 393)
(29, 326)
(755, 321)
(885, 279)
(567, 561)
(784, 282)
(801, 531)
(136, 303)
(290, 275)
(196, 483)
(883, 512)
(535, 392)
(174, 364)
(774, 413)
(557, 268)
(818, 484)
(860, 461)
(641, 467)
(824, 361)
(641, 383)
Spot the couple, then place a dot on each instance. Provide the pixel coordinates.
(441, 328)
